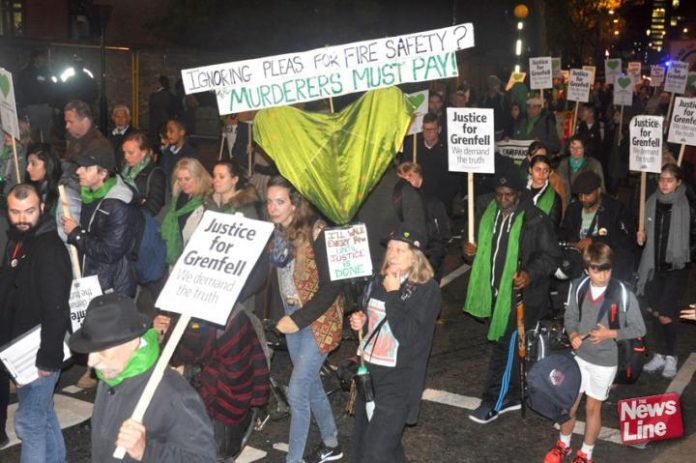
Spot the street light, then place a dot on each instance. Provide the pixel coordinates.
(521, 12)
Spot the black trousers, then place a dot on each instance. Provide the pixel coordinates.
(503, 379)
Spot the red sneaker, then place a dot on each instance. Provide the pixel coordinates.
(558, 453)
(580, 457)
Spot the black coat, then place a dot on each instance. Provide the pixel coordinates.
(116, 141)
(37, 290)
(151, 186)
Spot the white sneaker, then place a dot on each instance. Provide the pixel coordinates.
(656, 364)
(670, 370)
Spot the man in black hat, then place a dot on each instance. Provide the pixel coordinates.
(34, 290)
(595, 216)
(123, 351)
(517, 251)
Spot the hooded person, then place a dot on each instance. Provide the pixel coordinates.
(123, 352)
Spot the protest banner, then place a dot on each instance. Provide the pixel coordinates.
(634, 69)
(19, 356)
(332, 71)
(205, 283)
(8, 113)
(420, 102)
(593, 71)
(612, 68)
(556, 68)
(675, 81)
(682, 126)
(348, 252)
(83, 290)
(515, 78)
(652, 418)
(657, 75)
(645, 153)
(471, 147)
(579, 85)
(540, 73)
(623, 90)
(514, 149)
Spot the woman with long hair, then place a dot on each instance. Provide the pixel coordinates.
(140, 173)
(541, 191)
(313, 315)
(44, 171)
(398, 325)
(668, 244)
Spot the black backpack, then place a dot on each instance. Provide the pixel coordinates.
(436, 219)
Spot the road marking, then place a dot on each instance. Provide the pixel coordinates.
(70, 412)
(72, 389)
(447, 279)
(472, 403)
(250, 454)
(281, 446)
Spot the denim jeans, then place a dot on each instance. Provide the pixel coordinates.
(307, 395)
(36, 422)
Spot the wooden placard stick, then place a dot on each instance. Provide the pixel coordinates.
(16, 159)
(222, 145)
(470, 205)
(74, 257)
(415, 150)
(681, 155)
(641, 211)
(575, 117)
(618, 142)
(250, 151)
(331, 105)
(669, 114)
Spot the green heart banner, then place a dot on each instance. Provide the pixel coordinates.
(624, 82)
(335, 160)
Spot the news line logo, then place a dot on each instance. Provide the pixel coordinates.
(651, 418)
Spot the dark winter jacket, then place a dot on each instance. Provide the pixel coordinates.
(151, 184)
(169, 159)
(106, 239)
(544, 130)
(36, 290)
(178, 429)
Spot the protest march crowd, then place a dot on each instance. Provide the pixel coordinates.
(124, 206)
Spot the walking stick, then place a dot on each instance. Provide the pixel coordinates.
(521, 349)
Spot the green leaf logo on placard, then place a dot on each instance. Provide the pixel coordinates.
(624, 82)
(416, 100)
(5, 85)
(612, 65)
(518, 76)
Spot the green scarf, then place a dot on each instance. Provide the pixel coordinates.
(129, 173)
(88, 195)
(141, 361)
(479, 294)
(575, 165)
(545, 203)
(171, 234)
(530, 123)
(5, 153)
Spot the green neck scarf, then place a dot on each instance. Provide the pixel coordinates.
(6, 151)
(575, 165)
(479, 294)
(545, 202)
(531, 122)
(171, 234)
(88, 195)
(129, 173)
(141, 361)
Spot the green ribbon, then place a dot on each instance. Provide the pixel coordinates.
(89, 196)
(141, 360)
(129, 173)
(171, 234)
(479, 294)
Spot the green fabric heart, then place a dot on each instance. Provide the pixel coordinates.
(691, 79)
(416, 100)
(5, 84)
(334, 160)
(624, 82)
(613, 64)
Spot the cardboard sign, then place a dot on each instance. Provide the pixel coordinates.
(348, 252)
(420, 101)
(332, 71)
(682, 127)
(646, 144)
(470, 139)
(634, 68)
(83, 290)
(515, 78)
(657, 75)
(592, 70)
(540, 73)
(214, 266)
(579, 85)
(8, 106)
(612, 68)
(652, 418)
(556, 68)
(514, 149)
(675, 82)
(623, 90)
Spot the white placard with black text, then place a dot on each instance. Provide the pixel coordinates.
(471, 144)
(682, 128)
(646, 144)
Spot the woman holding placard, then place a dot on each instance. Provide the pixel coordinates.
(669, 240)
(398, 327)
(313, 314)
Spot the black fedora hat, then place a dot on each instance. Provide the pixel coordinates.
(111, 319)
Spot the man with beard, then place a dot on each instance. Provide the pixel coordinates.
(517, 251)
(34, 290)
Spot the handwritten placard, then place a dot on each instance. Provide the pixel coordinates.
(348, 252)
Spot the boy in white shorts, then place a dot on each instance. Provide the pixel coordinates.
(594, 343)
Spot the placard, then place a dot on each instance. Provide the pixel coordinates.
(514, 149)
(612, 68)
(470, 140)
(682, 127)
(556, 68)
(83, 290)
(515, 78)
(634, 69)
(691, 80)
(19, 356)
(348, 252)
(623, 90)
(420, 101)
(652, 418)
(657, 75)
(540, 73)
(677, 73)
(332, 71)
(8, 106)
(592, 70)
(579, 85)
(217, 260)
(646, 144)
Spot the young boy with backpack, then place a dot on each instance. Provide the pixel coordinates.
(600, 311)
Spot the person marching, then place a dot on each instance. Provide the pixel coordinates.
(541, 191)
(668, 244)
